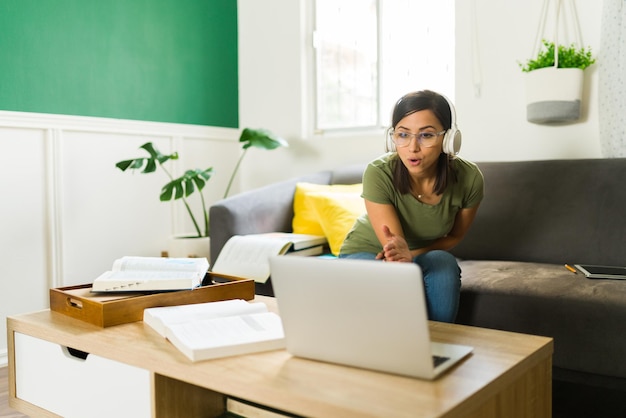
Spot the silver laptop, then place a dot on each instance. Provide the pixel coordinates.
(367, 314)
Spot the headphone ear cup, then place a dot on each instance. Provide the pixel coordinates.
(389, 144)
(452, 141)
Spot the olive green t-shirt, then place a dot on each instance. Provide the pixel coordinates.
(421, 223)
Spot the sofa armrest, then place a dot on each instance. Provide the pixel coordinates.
(266, 209)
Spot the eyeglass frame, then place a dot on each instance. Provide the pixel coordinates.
(417, 136)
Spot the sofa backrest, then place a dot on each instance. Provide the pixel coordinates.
(557, 211)
(352, 174)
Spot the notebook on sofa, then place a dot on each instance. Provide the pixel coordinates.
(360, 313)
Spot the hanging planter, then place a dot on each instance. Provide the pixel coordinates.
(555, 78)
(554, 94)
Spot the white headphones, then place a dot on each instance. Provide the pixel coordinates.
(451, 141)
(452, 138)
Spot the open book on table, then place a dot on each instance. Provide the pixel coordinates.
(247, 256)
(132, 274)
(218, 329)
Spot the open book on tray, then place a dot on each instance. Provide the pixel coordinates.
(247, 256)
(133, 274)
(218, 329)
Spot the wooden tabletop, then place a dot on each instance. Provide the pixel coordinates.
(279, 380)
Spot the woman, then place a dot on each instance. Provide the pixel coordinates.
(420, 198)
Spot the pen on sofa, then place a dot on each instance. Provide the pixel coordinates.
(570, 268)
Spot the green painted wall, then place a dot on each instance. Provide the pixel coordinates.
(155, 60)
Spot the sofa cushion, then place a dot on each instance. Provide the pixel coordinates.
(584, 316)
(336, 213)
(305, 216)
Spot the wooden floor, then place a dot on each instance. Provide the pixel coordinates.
(5, 411)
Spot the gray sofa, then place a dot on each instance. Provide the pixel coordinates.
(536, 216)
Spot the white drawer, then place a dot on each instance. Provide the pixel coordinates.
(49, 376)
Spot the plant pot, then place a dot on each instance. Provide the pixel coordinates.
(185, 246)
(554, 94)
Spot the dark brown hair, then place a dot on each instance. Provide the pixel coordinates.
(415, 102)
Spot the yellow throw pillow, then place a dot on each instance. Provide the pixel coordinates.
(336, 214)
(305, 218)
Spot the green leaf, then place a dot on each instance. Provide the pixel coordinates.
(185, 185)
(123, 165)
(179, 190)
(261, 138)
(166, 192)
(149, 164)
(155, 154)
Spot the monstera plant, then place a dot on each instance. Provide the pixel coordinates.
(194, 181)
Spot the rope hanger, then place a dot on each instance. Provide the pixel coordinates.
(559, 7)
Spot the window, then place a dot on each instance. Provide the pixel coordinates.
(368, 53)
(346, 54)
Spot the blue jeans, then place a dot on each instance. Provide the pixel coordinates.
(442, 282)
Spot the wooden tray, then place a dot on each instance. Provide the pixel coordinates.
(106, 310)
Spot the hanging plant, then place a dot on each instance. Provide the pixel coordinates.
(554, 76)
(554, 83)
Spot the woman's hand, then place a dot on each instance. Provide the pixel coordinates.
(395, 249)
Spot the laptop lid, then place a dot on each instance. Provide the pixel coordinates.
(360, 313)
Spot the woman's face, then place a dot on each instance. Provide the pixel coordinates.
(419, 160)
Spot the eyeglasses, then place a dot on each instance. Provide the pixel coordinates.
(425, 139)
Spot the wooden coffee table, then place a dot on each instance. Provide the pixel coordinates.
(507, 375)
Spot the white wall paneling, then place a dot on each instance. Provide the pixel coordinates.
(24, 269)
(68, 212)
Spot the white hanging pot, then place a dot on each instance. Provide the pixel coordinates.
(185, 247)
(554, 95)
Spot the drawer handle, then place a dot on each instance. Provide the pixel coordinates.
(74, 303)
(78, 354)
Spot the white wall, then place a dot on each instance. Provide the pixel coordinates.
(493, 123)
